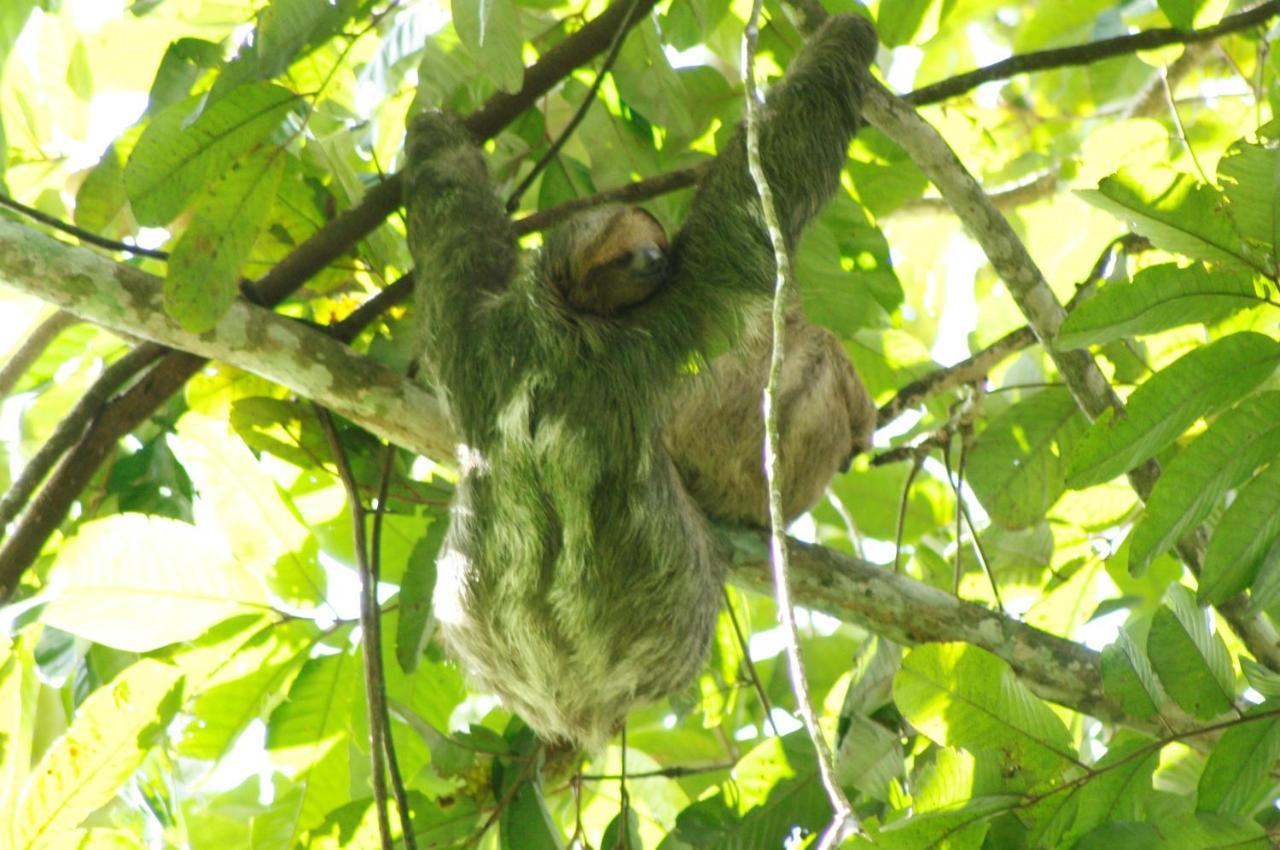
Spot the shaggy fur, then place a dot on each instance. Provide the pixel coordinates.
(578, 577)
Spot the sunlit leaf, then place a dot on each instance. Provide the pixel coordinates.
(1018, 465)
(1243, 537)
(962, 696)
(112, 732)
(1159, 298)
(1199, 383)
(174, 159)
(1174, 211)
(206, 263)
(1229, 450)
(116, 583)
(1191, 661)
(1250, 178)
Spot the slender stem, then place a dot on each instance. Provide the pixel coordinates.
(368, 624)
(842, 811)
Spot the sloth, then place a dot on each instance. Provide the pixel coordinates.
(580, 575)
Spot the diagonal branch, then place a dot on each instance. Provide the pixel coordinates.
(1026, 283)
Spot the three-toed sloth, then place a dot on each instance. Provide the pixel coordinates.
(579, 575)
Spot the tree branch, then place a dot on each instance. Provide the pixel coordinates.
(930, 152)
(30, 350)
(306, 359)
(1086, 54)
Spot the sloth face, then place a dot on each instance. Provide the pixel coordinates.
(608, 260)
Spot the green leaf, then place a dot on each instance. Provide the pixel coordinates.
(1250, 178)
(173, 160)
(525, 823)
(900, 20)
(1121, 785)
(251, 680)
(308, 737)
(1191, 661)
(491, 30)
(287, 26)
(1127, 677)
(963, 696)
(112, 732)
(1194, 482)
(447, 823)
(1018, 465)
(650, 86)
(1197, 384)
(116, 583)
(1266, 587)
(416, 625)
(19, 689)
(1174, 211)
(1181, 13)
(1243, 537)
(1237, 776)
(101, 199)
(1159, 298)
(204, 267)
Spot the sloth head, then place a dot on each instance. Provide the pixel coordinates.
(607, 260)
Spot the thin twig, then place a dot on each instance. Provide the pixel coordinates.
(842, 812)
(80, 233)
(373, 683)
(1090, 52)
(513, 200)
(375, 575)
(749, 664)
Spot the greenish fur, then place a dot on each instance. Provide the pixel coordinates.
(578, 577)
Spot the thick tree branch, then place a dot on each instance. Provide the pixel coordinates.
(288, 352)
(308, 360)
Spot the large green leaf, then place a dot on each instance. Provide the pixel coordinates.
(1250, 179)
(1174, 211)
(1237, 776)
(205, 266)
(1199, 383)
(1243, 537)
(491, 30)
(308, 739)
(1159, 298)
(260, 526)
(1121, 785)
(1018, 465)
(1190, 659)
(286, 27)
(117, 583)
(1229, 450)
(112, 732)
(250, 681)
(963, 696)
(173, 160)
(1128, 678)
(19, 687)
